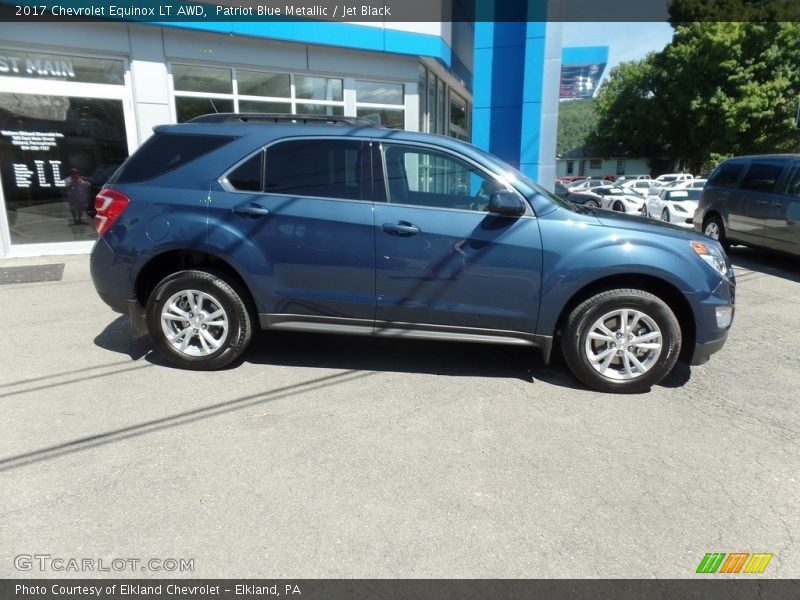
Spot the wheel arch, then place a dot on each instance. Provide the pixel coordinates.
(710, 214)
(172, 261)
(667, 292)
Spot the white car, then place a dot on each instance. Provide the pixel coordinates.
(584, 184)
(640, 187)
(673, 206)
(622, 178)
(670, 177)
(619, 199)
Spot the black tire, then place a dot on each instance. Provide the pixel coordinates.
(592, 204)
(708, 230)
(581, 320)
(665, 215)
(219, 294)
(618, 206)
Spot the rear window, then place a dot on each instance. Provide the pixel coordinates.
(726, 175)
(165, 152)
(762, 176)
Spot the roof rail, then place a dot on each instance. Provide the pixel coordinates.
(283, 118)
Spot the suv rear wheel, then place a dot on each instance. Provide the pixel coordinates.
(198, 321)
(621, 340)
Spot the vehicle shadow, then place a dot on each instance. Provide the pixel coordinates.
(763, 261)
(351, 353)
(117, 337)
(404, 356)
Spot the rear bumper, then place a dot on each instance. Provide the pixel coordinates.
(132, 308)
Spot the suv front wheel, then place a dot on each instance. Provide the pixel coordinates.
(621, 340)
(198, 321)
(715, 229)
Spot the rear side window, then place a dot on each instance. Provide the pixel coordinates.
(726, 175)
(323, 168)
(165, 152)
(247, 176)
(762, 176)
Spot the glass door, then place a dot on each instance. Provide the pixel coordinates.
(65, 125)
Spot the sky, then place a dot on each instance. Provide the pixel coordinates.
(625, 41)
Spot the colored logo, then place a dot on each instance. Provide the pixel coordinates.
(734, 562)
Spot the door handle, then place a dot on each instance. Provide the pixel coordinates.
(401, 229)
(251, 210)
(761, 202)
(778, 204)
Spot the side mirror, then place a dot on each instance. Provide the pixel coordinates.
(506, 203)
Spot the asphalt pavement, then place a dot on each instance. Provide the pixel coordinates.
(325, 456)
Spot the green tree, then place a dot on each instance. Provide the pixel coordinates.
(628, 120)
(576, 119)
(718, 89)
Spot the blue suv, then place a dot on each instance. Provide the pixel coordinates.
(330, 224)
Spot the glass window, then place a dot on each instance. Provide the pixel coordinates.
(319, 109)
(458, 117)
(440, 109)
(570, 167)
(393, 118)
(189, 108)
(314, 167)
(792, 185)
(596, 163)
(56, 152)
(431, 103)
(424, 177)
(762, 176)
(256, 106)
(317, 88)
(247, 176)
(165, 152)
(422, 94)
(252, 83)
(189, 78)
(373, 92)
(726, 175)
(35, 65)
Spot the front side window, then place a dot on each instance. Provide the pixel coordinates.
(726, 175)
(423, 177)
(314, 167)
(792, 185)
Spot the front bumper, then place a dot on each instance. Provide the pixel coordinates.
(702, 352)
(710, 336)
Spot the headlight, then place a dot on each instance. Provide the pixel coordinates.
(712, 255)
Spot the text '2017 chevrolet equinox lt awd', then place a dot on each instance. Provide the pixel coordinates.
(330, 224)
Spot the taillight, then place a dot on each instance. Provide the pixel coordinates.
(109, 205)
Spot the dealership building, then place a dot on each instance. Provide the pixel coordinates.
(78, 97)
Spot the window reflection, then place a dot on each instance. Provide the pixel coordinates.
(56, 152)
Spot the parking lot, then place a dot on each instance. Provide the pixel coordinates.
(327, 456)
